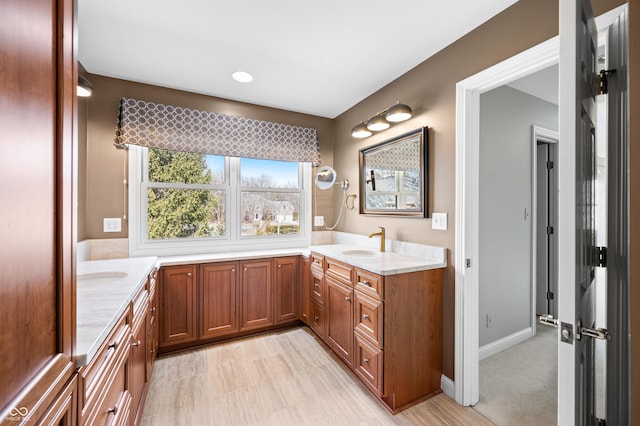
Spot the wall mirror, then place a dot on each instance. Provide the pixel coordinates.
(393, 176)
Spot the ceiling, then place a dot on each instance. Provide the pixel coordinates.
(319, 58)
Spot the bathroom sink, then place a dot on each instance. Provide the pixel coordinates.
(98, 278)
(360, 252)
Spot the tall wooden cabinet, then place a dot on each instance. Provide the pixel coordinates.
(38, 119)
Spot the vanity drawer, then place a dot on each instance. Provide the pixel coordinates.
(368, 363)
(368, 314)
(339, 270)
(317, 261)
(317, 286)
(317, 319)
(369, 283)
(95, 376)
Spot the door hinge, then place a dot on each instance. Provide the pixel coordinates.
(549, 295)
(549, 230)
(549, 165)
(603, 82)
(468, 263)
(601, 257)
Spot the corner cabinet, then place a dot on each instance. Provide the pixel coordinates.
(387, 329)
(204, 303)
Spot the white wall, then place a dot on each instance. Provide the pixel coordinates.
(506, 117)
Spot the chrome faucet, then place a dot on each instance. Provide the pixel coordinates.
(381, 235)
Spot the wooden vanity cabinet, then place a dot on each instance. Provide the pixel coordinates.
(219, 297)
(305, 290)
(286, 302)
(178, 298)
(388, 329)
(153, 329)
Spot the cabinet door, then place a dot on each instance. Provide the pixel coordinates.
(137, 375)
(339, 319)
(152, 324)
(286, 285)
(305, 289)
(178, 305)
(219, 299)
(256, 294)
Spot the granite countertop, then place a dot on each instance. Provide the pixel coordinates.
(103, 292)
(382, 263)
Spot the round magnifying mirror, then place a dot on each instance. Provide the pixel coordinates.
(325, 178)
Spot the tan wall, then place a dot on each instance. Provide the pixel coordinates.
(430, 90)
(634, 202)
(104, 164)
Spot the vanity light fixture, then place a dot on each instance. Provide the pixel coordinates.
(242, 77)
(361, 131)
(85, 88)
(382, 120)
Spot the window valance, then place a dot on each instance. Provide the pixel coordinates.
(183, 129)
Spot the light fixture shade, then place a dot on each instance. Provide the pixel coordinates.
(85, 88)
(360, 131)
(399, 112)
(377, 123)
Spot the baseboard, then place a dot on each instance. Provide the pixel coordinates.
(500, 345)
(448, 387)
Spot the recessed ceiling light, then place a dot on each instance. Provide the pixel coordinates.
(242, 77)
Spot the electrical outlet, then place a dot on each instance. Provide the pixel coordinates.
(111, 224)
(439, 221)
(318, 220)
(489, 321)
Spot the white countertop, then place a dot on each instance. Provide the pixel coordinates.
(381, 263)
(103, 293)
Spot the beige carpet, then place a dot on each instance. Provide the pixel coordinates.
(519, 386)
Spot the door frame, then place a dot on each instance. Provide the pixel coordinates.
(468, 91)
(466, 355)
(550, 137)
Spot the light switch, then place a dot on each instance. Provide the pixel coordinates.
(111, 224)
(439, 221)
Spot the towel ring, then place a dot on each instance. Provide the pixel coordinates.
(351, 197)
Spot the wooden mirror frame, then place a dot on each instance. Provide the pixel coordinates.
(422, 211)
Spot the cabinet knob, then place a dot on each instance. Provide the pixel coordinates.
(347, 299)
(365, 360)
(245, 269)
(153, 310)
(367, 283)
(233, 270)
(316, 285)
(136, 344)
(188, 274)
(365, 316)
(316, 318)
(279, 266)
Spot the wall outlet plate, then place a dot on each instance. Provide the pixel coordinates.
(111, 224)
(318, 220)
(439, 221)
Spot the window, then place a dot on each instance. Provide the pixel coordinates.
(184, 203)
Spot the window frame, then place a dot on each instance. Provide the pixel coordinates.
(232, 241)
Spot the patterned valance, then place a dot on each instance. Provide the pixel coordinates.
(183, 129)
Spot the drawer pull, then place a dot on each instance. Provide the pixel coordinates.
(153, 310)
(113, 410)
(316, 318)
(347, 299)
(136, 344)
(316, 285)
(113, 345)
(367, 283)
(365, 316)
(366, 360)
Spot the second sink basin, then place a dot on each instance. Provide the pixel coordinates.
(360, 252)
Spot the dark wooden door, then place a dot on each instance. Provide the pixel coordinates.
(256, 294)
(219, 300)
(178, 305)
(339, 318)
(37, 113)
(286, 284)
